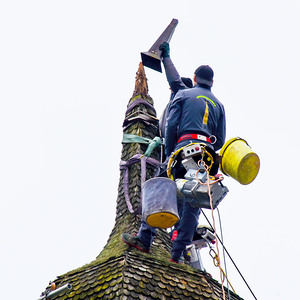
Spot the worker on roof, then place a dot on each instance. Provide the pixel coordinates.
(195, 115)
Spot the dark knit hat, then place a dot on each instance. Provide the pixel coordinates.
(187, 82)
(204, 74)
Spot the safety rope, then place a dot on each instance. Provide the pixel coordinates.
(215, 232)
(143, 158)
(139, 116)
(208, 183)
(124, 165)
(236, 267)
(224, 259)
(136, 101)
(216, 261)
(216, 258)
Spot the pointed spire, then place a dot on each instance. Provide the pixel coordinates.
(141, 86)
(140, 120)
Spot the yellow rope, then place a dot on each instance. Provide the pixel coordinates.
(215, 233)
(217, 256)
(216, 261)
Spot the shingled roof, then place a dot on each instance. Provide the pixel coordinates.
(121, 272)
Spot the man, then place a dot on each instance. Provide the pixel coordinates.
(195, 115)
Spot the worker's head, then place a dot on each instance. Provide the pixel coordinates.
(204, 76)
(187, 82)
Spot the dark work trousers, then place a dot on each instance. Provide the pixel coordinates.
(146, 233)
(188, 222)
(186, 228)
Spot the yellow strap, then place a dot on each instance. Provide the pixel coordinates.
(205, 118)
(213, 103)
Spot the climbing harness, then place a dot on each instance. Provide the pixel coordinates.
(191, 178)
(172, 161)
(194, 136)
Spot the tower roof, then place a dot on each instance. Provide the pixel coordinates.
(135, 275)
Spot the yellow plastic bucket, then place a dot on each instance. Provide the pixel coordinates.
(239, 161)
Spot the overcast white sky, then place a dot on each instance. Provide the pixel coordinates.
(67, 72)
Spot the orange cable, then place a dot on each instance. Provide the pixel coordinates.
(215, 233)
(214, 225)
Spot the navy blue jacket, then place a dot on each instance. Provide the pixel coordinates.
(195, 110)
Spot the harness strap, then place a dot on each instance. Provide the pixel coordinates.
(152, 144)
(140, 117)
(124, 165)
(194, 136)
(131, 106)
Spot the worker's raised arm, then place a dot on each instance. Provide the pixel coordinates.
(174, 80)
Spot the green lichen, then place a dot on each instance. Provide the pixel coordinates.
(115, 247)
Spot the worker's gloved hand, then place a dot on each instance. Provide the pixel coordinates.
(165, 49)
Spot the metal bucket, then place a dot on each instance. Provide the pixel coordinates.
(239, 161)
(160, 202)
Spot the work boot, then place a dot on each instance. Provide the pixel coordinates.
(134, 241)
